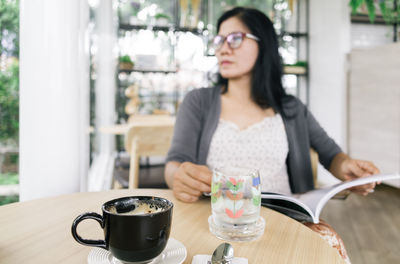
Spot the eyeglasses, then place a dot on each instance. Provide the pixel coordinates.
(234, 40)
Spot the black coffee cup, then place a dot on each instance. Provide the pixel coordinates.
(131, 236)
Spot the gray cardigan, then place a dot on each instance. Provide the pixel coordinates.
(198, 118)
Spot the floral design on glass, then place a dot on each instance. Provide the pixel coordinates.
(234, 209)
(255, 190)
(216, 188)
(215, 191)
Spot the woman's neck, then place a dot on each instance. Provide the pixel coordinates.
(239, 89)
(237, 105)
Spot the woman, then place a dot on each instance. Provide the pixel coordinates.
(248, 120)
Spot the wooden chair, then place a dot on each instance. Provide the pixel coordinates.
(146, 140)
(314, 166)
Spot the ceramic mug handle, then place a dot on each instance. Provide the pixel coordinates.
(88, 242)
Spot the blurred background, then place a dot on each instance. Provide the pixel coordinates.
(72, 70)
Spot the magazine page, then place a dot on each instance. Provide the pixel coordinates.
(316, 199)
(287, 205)
(308, 206)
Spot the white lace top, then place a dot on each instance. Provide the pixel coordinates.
(262, 145)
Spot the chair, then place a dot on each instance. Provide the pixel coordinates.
(146, 140)
(314, 166)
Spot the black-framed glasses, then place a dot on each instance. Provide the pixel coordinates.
(234, 40)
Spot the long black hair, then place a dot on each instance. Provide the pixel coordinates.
(266, 83)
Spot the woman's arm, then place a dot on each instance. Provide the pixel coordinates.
(336, 165)
(345, 168)
(335, 160)
(182, 174)
(187, 129)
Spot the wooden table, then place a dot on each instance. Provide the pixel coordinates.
(39, 231)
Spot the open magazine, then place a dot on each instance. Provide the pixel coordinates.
(308, 206)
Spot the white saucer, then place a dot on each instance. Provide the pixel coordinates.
(174, 253)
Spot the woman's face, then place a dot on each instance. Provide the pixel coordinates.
(239, 62)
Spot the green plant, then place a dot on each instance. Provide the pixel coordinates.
(162, 15)
(8, 199)
(9, 178)
(298, 63)
(390, 9)
(9, 80)
(9, 103)
(9, 27)
(125, 59)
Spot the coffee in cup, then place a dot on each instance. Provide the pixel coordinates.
(133, 206)
(136, 228)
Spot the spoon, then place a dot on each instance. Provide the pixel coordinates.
(223, 254)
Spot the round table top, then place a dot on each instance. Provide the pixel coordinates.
(39, 231)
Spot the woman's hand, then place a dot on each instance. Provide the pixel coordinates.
(190, 181)
(346, 168)
(353, 169)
